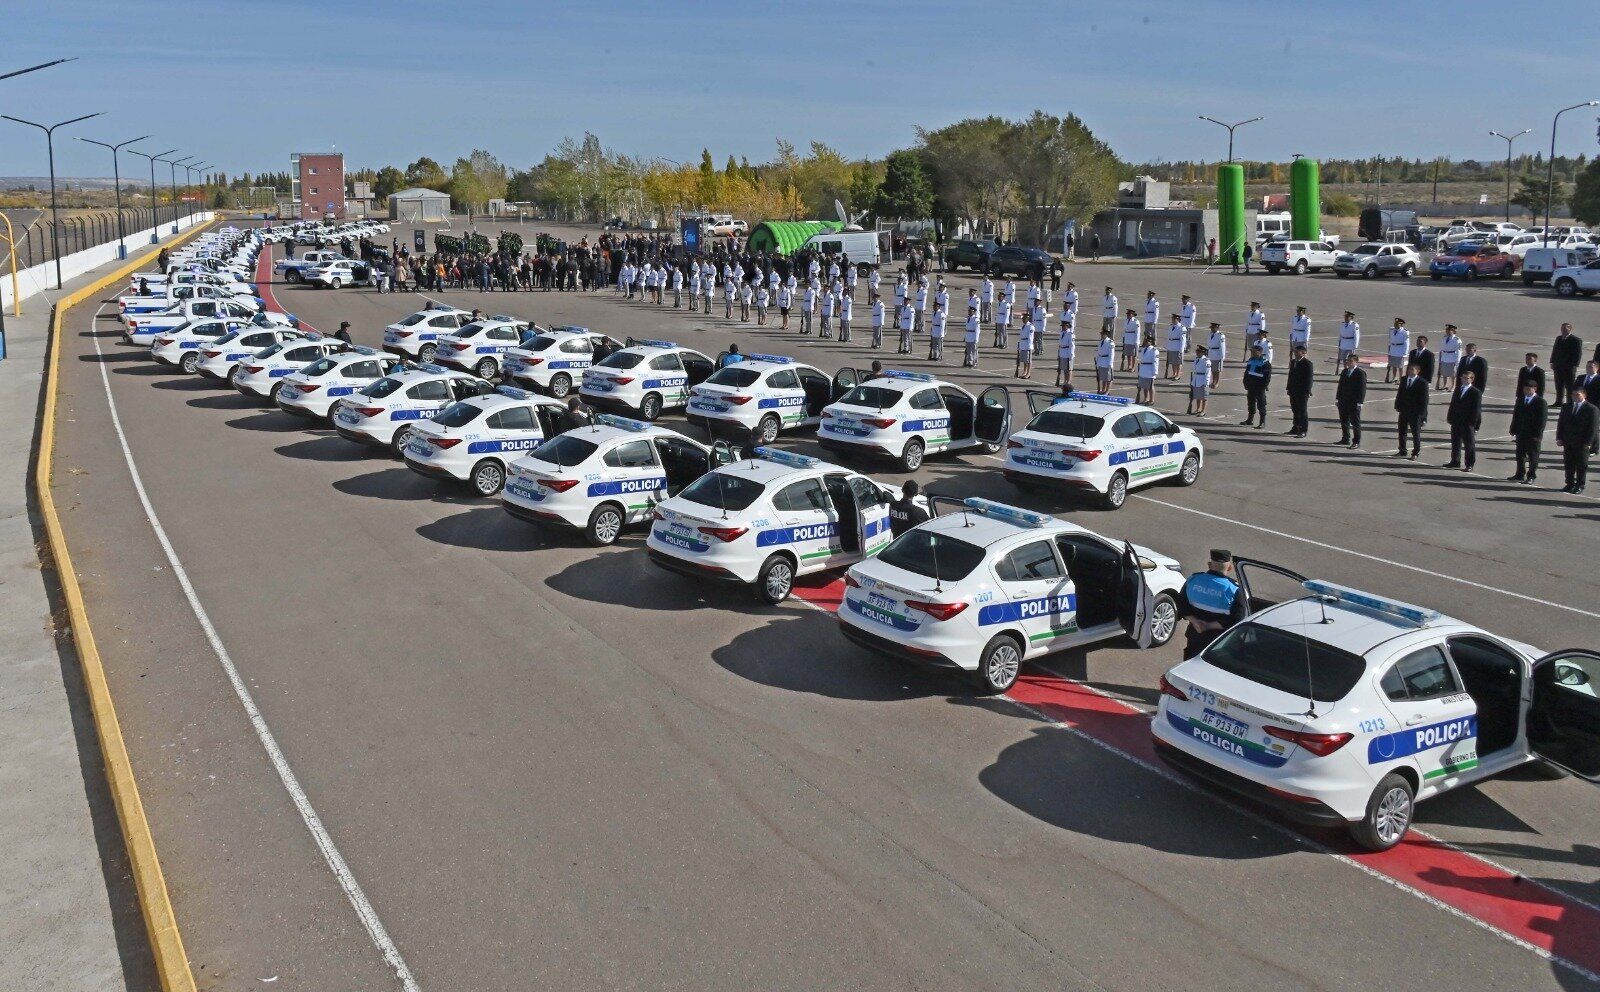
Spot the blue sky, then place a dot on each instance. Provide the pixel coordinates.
(243, 85)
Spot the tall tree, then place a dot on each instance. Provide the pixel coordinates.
(1062, 172)
(905, 192)
(1532, 192)
(427, 173)
(967, 161)
(389, 181)
(1586, 195)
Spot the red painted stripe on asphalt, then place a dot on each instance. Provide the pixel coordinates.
(1529, 911)
(264, 285)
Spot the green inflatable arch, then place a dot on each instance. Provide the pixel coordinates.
(784, 236)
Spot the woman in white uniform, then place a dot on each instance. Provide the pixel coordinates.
(1216, 351)
(1199, 381)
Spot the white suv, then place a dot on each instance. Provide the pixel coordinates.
(1372, 259)
(1299, 256)
(1577, 279)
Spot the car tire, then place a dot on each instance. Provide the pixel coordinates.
(766, 432)
(775, 580)
(1566, 287)
(334, 283)
(488, 478)
(1388, 815)
(998, 665)
(605, 525)
(1163, 619)
(401, 438)
(1273, 269)
(427, 353)
(1301, 267)
(293, 275)
(1189, 473)
(1407, 270)
(1527, 280)
(486, 368)
(560, 386)
(1116, 492)
(1370, 272)
(911, 457)
(650, 408)
(1435, 276)
(1472, 273)
(272, 394)
(233, 376)
(190, 362)
(1341, 274)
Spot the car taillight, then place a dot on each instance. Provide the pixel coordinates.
(366, 411)
(656, 514)
(1086, 456)
(939, 611)
(1320, 745)
(530, 362)
(307, 387)
(725, 534)
(827, 415)
(210, 354)
(881, 423)
(1013, 444)
(558, 485)
(1168, 689)
(253, 369)
(622, 380)
(404, 334)
(737, 400)
(852, 581)
(444, 442)
(163, 342)
(459, 346)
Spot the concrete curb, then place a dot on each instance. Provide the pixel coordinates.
(166, 943)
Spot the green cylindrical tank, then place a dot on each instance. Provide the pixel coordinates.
(1305, 199)
(1230, 213)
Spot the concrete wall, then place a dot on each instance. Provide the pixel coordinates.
(42, 277)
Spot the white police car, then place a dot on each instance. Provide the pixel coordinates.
(986, 586)
(478, 347)
(317, 389)
(646, 377)
(603, 477)
(552, 359)
(262, 373)
(141, 330)
(386, 412)
(416, 336)
(908, 415)
(473, 440)
(1105, 444)
(768, 518)
(1340, 708)
(219, 358)
(761, 395)
(182, 347)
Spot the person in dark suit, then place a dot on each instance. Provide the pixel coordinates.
(1411, 403)
(1422, 357)
(1301, 374)
(1590, 380)
(1530, 372)
(1475, 363)
(1350, 394)
(1565, 355)
(1577, 429)
(1528, 420)
(1465, 416)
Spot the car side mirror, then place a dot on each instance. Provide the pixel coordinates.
(1571, 675)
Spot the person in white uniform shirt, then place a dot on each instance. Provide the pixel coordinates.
(624, 278)
(1199, 381)
(970, 337)
(1149, 361)
(677, 287)
(941, 298)
(1025, 350)
(1069, 302)
(827, 312)
(851, 275)
(846, 306)
(1216, 352)
(763, 298)
(708, 284)
(877, 321)
(1002, 321)
(1300, 330)
(922, 303)
(1399, 347)
(1009, 291)
(730, 291)
(1040, 319)
(1177, 344)
(1131, 328)
(1152, 313)
(1254, 323)
(694, 286)
(874, 280)
(814, 268)
(936, 335)
(773, 279)
(1349, 337)
(785, 304)
(1449, 358)
(1066, 350)
(1108, 311)
(833, 267)
(808, 306)
(1035, 293)
(902, 290)
(907, 316)
(986, 299)
(1105, 353)
(1264, 343)
(744, 301)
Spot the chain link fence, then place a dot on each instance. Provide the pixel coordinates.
(32, 230)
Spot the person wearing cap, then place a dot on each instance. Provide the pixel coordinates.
(877, 320)
(908, 316)
(1217, 351)
(1214, 601)
(1105, 354)
(343, 333)
(1199, 381)
(1257, 377)
(1188, 314)
(1152, 312)
(1349, 336)
(904, 513)
(1066, 351)
(1108, 311)
(1300, 330)
(1399, 347)
(1149, 359)
(969, 358)
(1177, 343)
(1130, 341)
(1002, 320)
(1255, 323)
(578, 414)
(1299, 382)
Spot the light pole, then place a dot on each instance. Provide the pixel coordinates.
(1550, 172)
(199, 195)
(172, 184)
(155, 209)
(36, 68)
(50, 145)
(116, 178)
(1508, 139)
(16, 297)
(1231, 128)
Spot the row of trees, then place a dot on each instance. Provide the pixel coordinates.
(1395, 169)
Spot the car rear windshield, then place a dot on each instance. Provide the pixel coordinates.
(227, 338)
(1067, 423)
(723, 491)
(271, 349)
(469, 331)
(415, 318)
(734, 376)
(540, 343)
(621, 360)
(564, 450)
(931, 554)
(874, 396)
(1286, 661)
(318, 367)
(380, 388)
(458, 415)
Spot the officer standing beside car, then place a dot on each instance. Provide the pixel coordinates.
(904, 513)
(1214, 601)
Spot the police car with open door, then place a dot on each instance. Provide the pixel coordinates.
(317, 389)
(473, 441)
(909, 415)
(1107, 445)
(478, 347)
(182, 346)
(1341, 708)
(761, 395)
(768, 518)
(417, 336)
(261, 374)
(600, 478)
(386, 412)
(646, 377)
(219, 358)
(984, 587)
(552, 360)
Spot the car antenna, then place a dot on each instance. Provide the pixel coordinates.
(1311, 689)
(722, 495)
(933, 548)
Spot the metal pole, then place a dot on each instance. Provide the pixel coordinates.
(172, 182)
(116, 173)
(155, 213)
(1231, 128)
(1550, 171)
(50, 147)
(1508, 139)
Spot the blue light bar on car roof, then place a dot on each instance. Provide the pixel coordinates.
(1405, 611)
(659, 344)
(622, 423)
(901, 374)
(570, 328)
(788, 458)
(1100, 398)
(362, 349)
(775, 359)
(514, 392)
(1011, 514)
(430, 367)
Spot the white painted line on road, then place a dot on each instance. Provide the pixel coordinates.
(319, 833)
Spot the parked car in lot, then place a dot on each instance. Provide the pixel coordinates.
(1539, 264)
(1573, 280)
(724, 227)
(1372, 259)
(1472, 260)
(1028, 263)
(972, 254)
(1298, 256)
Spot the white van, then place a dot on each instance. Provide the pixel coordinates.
(1269, 226)
(1539, 263)
(861, 246)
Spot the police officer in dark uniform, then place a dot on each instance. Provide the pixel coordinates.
(578, 414)
(1215, 602)
(343, 333)
(904, 513)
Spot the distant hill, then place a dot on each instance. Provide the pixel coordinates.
(66, 182)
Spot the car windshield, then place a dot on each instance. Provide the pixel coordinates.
(318, 367)
(540, 342)
(1067, 423)
(723, 491)
(733, 376)
(873, 396)
(227, 337)
(458, 415)
(380, 388)
(622, 360)
(270, 350)
(1367, 249)
(471, 330)
(415, 318)
(564, 450)
(1286, 661)
(934, 555)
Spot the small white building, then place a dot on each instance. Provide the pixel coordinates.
(419, 205)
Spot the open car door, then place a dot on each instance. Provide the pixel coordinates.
(1266, 584)
(723, 453)
(1040, 400)
(872, 515)
(1134, 600)
(845, 380)
(992, 421)
(1563, 720)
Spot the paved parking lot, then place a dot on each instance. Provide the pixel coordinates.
(554, 767)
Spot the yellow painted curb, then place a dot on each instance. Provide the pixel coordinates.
(172, 964)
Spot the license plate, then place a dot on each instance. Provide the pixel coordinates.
(289, 392)
(419, 448)
(1225, 724)
(525, 491)
(347, 416)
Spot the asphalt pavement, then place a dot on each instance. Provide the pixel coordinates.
(547, 765)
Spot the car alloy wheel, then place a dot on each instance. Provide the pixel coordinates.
(190, 362)
(1163, 620)
(560, 386)
(487, 478)
(486, 369)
